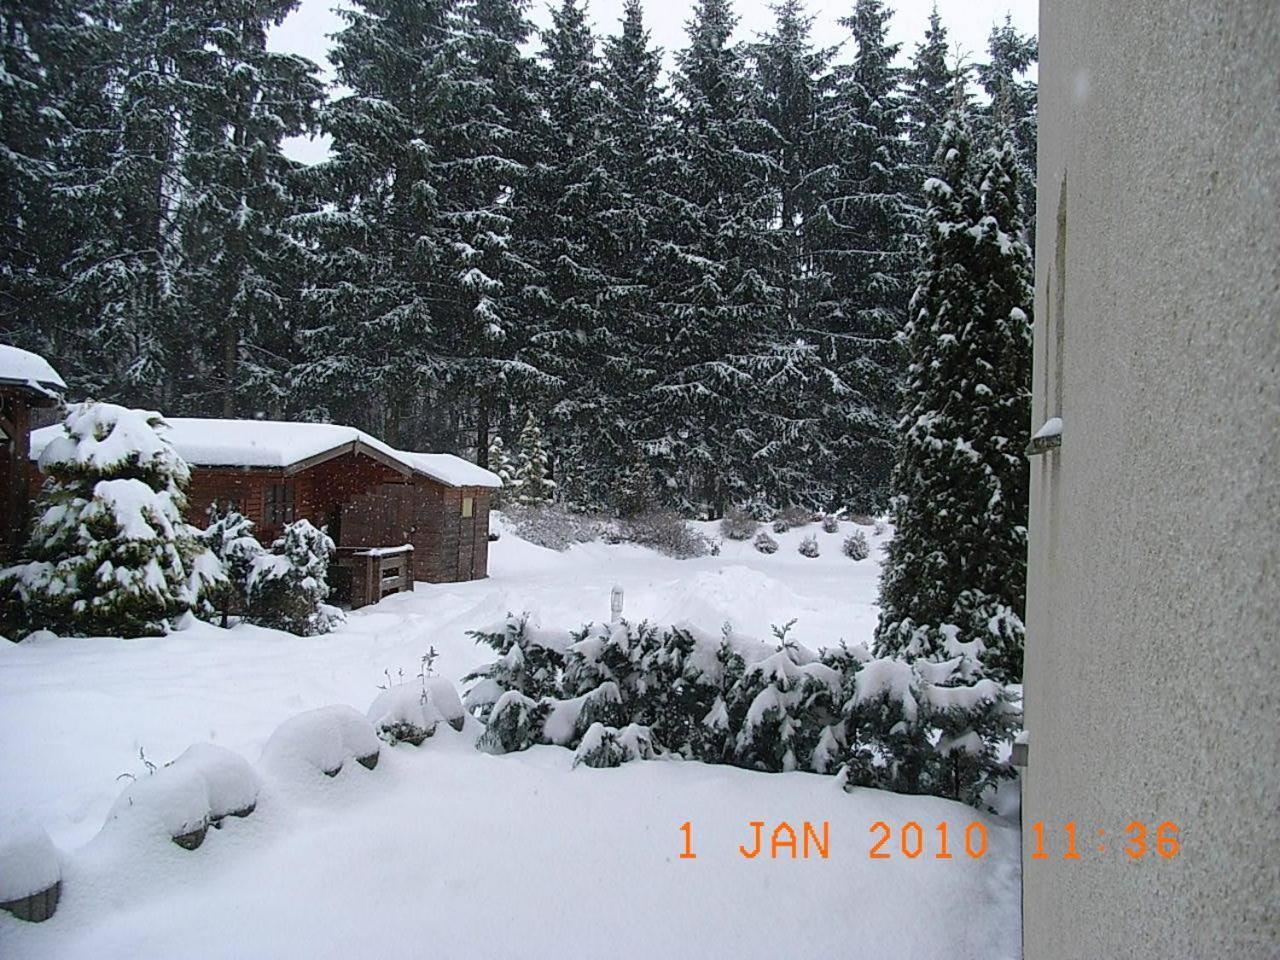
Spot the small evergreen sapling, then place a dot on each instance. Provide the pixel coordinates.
(287, 587)
(809, 547)
(765, 543)
(855, 546)
(532, 485)
(830, 524)
(229, 537)
(738, 525)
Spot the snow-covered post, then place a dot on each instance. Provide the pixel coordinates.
(615, 604)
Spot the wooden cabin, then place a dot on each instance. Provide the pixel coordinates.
(373, 499)
(27, 381)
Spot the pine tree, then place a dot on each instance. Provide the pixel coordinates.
(229, 537)
(110, 553)
(532, 485)
(957, 561)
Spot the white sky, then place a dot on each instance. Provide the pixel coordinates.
(968, 23)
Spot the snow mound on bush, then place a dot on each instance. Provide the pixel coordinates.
(231, 782)
(320, 740)
(28, 860)
(171, 801)
(401, 713)
(443, 696)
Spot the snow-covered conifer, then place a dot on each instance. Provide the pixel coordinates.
(229, 537)
(287, 587)
(110, 552)
(532, 485)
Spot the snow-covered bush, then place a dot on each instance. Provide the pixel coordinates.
(229, 537)
(855, 546)
(321, 741)
(795, 517)
(738, 525)
(765, 543)
(668, 533)
(830, 524)
(780, 525)
(170, 802)
(29, 864)
(403, 713)
(552, 525)
(287, 587)
(879, 528)
(110, 552)
(231, 783)
(614, 691)
(809, 547)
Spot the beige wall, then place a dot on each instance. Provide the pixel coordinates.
(1153, 660)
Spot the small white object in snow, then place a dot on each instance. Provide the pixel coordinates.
(30, 370)
(28, 860)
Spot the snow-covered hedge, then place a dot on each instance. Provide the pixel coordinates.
(916, 726)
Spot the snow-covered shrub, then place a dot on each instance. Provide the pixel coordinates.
(780, 525)
(599, 748)
(855, 546)
(110, 552)
(795, 517)
(879, 528)
(738, 525)
(171, 802)
(552, 525)
(668, 533)
(830, 524)
(765, 543)
(515, 723)
(230, 781)
(443, 697)
(403, 713)
(287, 587)
(529, 662)
(321, 741)
(29, 864)
(809, 547)
(229, 537)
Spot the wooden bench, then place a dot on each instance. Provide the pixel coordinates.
(375, 572)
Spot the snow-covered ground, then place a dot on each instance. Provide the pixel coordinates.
(444, 850)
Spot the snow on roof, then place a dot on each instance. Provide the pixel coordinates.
(29, 369)
(451, 470)
(280, 444)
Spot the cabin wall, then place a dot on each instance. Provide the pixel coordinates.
(448, 547)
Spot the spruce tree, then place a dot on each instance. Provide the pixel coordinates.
(532, 485)
(717, 292)
(110, 553)
(929, 94)
(866, 214)
(1010, 113)
(957, 562)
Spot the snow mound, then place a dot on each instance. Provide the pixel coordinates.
(28, 860)
(172, 801)
(402, 713)
(443, 696)
(231, 782)
(736, 594)
(320, 741)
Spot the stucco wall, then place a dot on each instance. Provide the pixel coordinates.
(1153, 661)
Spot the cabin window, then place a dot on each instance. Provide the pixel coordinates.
(280, 504)
(468, 506)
